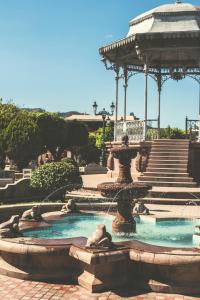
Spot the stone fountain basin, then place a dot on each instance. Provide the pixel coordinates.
(114, 189)
(164, 269)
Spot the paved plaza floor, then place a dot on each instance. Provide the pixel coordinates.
(16, 289)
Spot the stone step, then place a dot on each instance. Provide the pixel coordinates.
(168, 161)
(170, 151)
(151, 158)
(166, 194)
(169, 154)
(174, 170)
(161, 164)
(165, 144)
(170, 141)
(170, 184)
(166, 165)
(166, 174)
(170, 148)
(166, 179)
(171, 201)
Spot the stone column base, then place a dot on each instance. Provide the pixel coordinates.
(102, 271)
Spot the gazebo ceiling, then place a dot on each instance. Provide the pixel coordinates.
(167, 36)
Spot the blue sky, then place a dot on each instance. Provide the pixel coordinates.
(49, 58)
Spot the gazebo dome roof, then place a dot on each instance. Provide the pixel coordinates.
(167, 18)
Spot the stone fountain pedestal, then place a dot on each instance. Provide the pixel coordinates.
(124, 190)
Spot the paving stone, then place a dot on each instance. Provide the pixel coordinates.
(16, 289)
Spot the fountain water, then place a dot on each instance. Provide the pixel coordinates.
(124, 190)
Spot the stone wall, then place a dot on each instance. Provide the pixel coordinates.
(194, 161)
(19, 191)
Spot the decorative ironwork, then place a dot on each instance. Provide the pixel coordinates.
(177, 73)
(192, 128)
(134, 130)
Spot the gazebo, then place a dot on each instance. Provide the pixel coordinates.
(163, 43)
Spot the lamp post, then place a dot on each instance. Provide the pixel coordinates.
(106, 120)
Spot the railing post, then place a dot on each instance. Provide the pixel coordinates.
(186, 125)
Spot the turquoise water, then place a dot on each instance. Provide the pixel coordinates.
(173, 233)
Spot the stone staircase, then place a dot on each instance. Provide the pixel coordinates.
(167, 172)
(167, 165)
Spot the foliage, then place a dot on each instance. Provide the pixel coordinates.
(57, 135)
(89, 153)
(54, 133)
(71, 161)
(24, 134)
(152, 133)
(98, 135)
(166, 133)
(8, 111)
(59, 176)
(77, 134)
(22, 139)
(172, 133)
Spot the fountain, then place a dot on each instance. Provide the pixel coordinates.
(124, 189)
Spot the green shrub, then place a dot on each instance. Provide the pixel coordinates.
(54, 179)
(68, 160)
(166, 133)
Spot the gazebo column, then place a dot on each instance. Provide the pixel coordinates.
(199, 112)
(146, 99)
(159, 84)
(125, 85)
(116, 69)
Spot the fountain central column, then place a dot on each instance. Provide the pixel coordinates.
(124, 190)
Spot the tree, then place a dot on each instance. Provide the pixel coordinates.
(8, 111)
(89, 153)
(57, 135)
(54, 133)
(22, 139)
(77, 134)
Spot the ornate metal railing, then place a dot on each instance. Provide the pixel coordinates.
(134, 130)
(192, 128)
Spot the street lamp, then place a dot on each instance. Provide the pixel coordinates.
(102, 158)
(112, 108)
(106, 120)
(95, 107)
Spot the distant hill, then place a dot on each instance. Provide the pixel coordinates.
(61, 114)
(69, 113)
(35, 109)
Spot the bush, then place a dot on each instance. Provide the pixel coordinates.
(56, 178)
(166, 133)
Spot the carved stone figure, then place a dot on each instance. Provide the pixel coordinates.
(140, 208)
(100, 239)
(70, 207)
(10, 228)
(33, 214)
(141, 160)
(110, 161)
